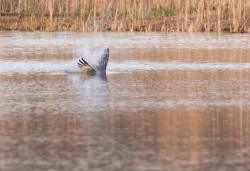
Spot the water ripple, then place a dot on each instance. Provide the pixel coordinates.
(30, 43)
(114, 67)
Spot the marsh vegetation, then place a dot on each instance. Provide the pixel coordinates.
(126, 15)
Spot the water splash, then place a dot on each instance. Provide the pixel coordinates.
(115, 67)
(50, 66)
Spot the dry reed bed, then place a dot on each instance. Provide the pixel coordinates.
(126, 15)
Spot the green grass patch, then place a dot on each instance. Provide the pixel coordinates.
(167, 11)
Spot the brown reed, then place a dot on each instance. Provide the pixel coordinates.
(126, 15)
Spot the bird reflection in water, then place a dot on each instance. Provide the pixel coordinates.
(92, 88)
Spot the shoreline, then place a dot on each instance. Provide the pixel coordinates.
(10, 21)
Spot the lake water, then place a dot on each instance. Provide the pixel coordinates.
(168, 102)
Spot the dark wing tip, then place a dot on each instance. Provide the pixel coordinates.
(82, 63)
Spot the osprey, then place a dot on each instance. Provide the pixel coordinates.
(95, 63)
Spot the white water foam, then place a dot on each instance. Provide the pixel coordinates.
(36, 66)
(115, 67)
(127, 66)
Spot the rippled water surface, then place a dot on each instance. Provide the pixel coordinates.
(168, 102)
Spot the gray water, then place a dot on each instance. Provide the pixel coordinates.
(168, 102)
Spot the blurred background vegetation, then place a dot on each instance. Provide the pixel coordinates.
(126, 15)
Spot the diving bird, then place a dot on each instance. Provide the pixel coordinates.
(95, 63)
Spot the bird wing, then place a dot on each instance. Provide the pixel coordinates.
(96, 62)
(84, 65)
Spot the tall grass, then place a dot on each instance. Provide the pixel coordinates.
(135, 15)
